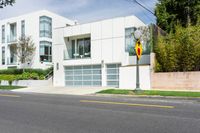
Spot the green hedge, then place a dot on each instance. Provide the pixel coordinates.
(27, 74)
(11, 71)
(24, 76)
(20, 71)
(11, 75)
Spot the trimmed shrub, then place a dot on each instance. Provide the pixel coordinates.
(29, 74)
(9, 78)
(20, 71)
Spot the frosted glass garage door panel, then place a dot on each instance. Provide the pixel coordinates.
(112, 71)
(89, 75)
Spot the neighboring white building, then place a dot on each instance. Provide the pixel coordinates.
(39, 25)
(99, 54)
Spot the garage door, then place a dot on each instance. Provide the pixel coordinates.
(89, 75)
(113, 75)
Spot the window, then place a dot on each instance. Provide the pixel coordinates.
(73, 48)
(130, 42)
(13, 32)
(45, 27)
(45, 51)
(22, 28)
(3, 56)
(3, 34)
(81, 49)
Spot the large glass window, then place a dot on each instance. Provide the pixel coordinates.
(45, 27)
(3, 33)
(13, 32)
(130, 42)
(3, 55)
(22, 28)
(45, 51)
(81, 49)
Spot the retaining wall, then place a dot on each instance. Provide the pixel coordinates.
(176, 81)
(29, 83)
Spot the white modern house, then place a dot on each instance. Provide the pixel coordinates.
(39, 25)
(99, 54)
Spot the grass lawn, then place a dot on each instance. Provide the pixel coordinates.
(152, 93)
(10, 87)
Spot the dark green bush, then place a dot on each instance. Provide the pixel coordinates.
(11, 71)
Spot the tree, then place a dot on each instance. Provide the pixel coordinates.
(179, 51)
(4, 3)
(25, 50)
(169, 13)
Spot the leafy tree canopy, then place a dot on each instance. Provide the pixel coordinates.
(4, 3)
(169, 13)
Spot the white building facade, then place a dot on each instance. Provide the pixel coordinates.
(99, 54)
(39, 26)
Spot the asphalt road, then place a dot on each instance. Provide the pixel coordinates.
(39, 113)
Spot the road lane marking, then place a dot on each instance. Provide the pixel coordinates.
(8, 95)
(128, 104)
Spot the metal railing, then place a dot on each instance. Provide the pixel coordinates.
(68, 55)
(11, 39)
(49, 75)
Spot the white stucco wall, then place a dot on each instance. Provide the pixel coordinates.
(128, 77)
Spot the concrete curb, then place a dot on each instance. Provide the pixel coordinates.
(147, 96)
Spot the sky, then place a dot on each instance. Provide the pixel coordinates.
(84, 10)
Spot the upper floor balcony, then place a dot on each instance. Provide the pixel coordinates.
(70, 54)
(78, 47)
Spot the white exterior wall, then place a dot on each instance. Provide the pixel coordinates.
(32, 29)
(107, 46)
(127, 78)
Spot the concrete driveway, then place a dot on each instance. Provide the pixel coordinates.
(61, 90)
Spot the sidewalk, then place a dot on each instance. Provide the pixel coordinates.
(61, 90)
